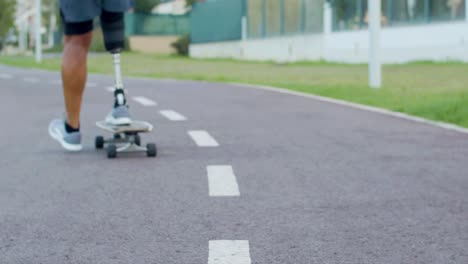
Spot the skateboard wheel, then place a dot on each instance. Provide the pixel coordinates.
(99, 142)
(138, 140)
(111, 151)
(117, 136)
(151, 150)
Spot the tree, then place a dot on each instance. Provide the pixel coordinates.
(7, 11)
(190, 3)
(145, 6)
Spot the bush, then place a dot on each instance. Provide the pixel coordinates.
(181, 45)
(145, 6)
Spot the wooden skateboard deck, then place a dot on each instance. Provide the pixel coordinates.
(134, 127)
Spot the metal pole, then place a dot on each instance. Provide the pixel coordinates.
(303, 15)
(38, 32)
(327, 18)
(244, 35)
(263, 18)
(53, 21)
(244, 28)
(282, 26)
(22, 27)
(117, 71)
(427, 10)
(375, 67)
(466, 11)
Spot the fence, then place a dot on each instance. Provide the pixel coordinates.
(269, 18)
(220, 20)
(352, 14)
(150, 24)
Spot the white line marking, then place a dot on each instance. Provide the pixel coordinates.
(91, 84)
(5, 76)
(222, 181)
(144, 101)
(203, 139)
(172, 115)
(57, 82)
(373, 109)
(229, 252)
(31, 80)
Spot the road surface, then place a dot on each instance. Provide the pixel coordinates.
(243, 176)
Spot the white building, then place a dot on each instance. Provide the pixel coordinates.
(412, 30)
(174, 7)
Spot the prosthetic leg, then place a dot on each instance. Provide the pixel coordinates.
(114, 40)
(125, 131)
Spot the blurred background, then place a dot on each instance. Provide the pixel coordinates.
(282, 30)
(291, 30)
(149, 20)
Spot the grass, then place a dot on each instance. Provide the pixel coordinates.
(437, 91)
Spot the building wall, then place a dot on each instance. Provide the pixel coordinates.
(437, 42)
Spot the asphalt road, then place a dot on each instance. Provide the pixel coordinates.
(287, 180)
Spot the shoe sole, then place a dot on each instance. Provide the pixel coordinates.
(119, 122)
(70, 147)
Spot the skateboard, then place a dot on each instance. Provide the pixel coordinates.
(125, 139)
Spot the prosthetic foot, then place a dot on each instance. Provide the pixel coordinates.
(120, 115)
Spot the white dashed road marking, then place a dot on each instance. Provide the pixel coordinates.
(172, 115)
(58, 82)
(31, 80)
(202, 138)
(222, 181)
(229, 252)
(144, 101)
(5, 76)
(110, 89)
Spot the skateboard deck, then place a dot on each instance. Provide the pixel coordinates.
(134, 127)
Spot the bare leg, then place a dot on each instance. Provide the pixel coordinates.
(74, 74)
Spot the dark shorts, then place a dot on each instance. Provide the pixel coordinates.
(78, 15)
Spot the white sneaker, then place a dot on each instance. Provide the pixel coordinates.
(69, 141)
(119, 116)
